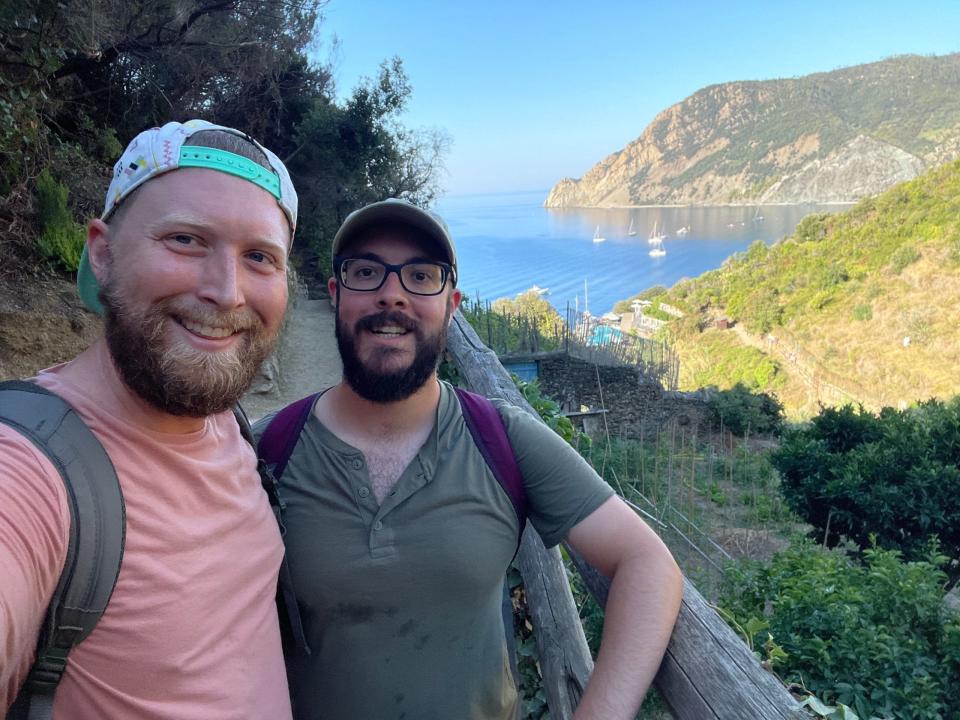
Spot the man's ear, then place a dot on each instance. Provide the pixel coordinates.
(334, 289)
(98, 249)
(454, 301)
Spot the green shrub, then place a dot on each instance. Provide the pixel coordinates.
(875, 637)
(61, 238)
(741, 411)
(862, 312)
(903, 257)
(894, 476)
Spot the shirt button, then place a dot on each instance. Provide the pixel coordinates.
(357, 463)
(363, 492)
(378, 525)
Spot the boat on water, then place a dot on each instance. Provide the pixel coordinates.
(757, 217)
(657, 250)
(596, 236)
(630, 231)
(655, 236)
(683, 231)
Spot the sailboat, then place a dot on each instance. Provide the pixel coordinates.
(656, 237)
(596, 236)
(657, 249)
(757, 217)
(630, 231)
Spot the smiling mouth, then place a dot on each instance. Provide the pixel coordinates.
(208, 331)
(389, 331)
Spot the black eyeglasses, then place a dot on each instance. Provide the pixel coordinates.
(420, 277)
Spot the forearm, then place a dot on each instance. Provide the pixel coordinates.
(641, 609)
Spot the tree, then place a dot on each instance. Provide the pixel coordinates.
(892, 476)
(78, 79)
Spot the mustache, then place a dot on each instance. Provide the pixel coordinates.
(239, 320)
(385, 317)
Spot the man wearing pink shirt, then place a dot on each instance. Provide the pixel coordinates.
(188, 265)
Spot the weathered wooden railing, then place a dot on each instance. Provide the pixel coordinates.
(708, 673)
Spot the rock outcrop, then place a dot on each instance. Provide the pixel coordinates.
(829, 137)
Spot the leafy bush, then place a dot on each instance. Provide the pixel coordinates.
(741, 411)
(876, 637)
(62, 239)
(894, 475)
(903, 257)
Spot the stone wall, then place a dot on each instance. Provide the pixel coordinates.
(633, 402)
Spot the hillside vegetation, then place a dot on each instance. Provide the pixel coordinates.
(865, 301)
(78, 80)
(832, 136)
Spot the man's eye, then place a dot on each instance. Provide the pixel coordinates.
(183, 239)
(259, 257)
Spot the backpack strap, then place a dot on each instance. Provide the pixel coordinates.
(490, 435)
(281, 435)
(93, 556)
(289, 613)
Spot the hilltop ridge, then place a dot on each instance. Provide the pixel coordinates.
(828, 137)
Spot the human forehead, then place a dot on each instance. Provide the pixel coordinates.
(393, 244)
(206, 200)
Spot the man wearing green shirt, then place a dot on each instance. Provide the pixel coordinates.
(399, 535)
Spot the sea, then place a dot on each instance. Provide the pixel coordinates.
(508, 243)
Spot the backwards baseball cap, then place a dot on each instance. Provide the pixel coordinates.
(399, 212)
(160, 150)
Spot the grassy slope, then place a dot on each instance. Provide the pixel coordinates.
(847, 290)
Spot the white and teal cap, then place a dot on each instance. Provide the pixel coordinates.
(162, 149)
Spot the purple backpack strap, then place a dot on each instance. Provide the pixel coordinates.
(278, 440)
(490, 435)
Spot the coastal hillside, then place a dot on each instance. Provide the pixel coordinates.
(861, 306)
(829, 137)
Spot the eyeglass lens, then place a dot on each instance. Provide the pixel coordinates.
(420, 278)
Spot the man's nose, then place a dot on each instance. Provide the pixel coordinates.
(221, 282)
(392, 291)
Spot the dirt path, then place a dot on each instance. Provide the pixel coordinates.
(306, 361)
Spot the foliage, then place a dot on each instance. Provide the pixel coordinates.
(893, 476)
(903, 257)
(804, 289)
(549, 411)
(528, 323)
(62, 239)
(89, 75)
(716, 358)
(875, 637)
(744, 412)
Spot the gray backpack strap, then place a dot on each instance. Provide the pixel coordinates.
(97, 528)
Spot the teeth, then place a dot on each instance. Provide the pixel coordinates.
(390, 330)
(206, 330)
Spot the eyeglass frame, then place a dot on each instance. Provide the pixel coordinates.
(446, 268)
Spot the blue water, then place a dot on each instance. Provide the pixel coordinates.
(507, 242)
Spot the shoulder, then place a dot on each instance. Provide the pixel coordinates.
(34, 531)
(32, 494)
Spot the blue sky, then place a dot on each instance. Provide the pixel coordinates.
(534, 91)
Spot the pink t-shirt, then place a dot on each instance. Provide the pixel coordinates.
(191, 629)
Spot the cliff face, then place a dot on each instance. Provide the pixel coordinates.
(829, 137)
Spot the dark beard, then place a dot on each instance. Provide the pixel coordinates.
(181, 381)
(386, 387)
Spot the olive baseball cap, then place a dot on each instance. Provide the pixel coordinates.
(400, 212)
(160, 150)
